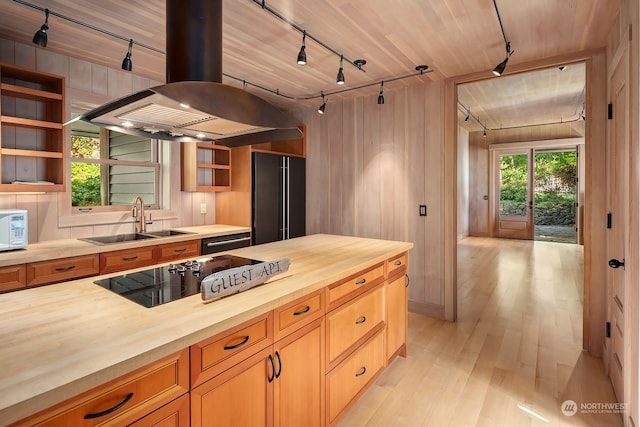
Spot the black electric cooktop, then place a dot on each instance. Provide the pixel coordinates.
(171, 282)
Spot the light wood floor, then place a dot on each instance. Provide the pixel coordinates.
(516, 347)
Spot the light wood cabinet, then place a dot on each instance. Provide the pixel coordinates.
(239, 397)
(396, 305)
(13, 277)
(58, 270)
(123, 400)
(352, 323)
(172, 251)
(242, 378)
(205, 167)
(173, 414)
(32, 145)
(347, 382)
(127, 259)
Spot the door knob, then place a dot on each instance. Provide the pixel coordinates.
(614, 263)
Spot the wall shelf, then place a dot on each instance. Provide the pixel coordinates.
(205, 167)
(32, 146)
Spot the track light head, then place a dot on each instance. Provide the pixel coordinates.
(381, 95)
(484, 134)
(340, 77)
(501, 66)
(323, 106)
(466, 119)
(40, 37)
(126, 62)
(302, 55)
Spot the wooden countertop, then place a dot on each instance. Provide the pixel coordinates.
(54, 249)
(60, 340)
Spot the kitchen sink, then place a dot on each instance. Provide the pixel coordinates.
(166, 233)
(130, 237)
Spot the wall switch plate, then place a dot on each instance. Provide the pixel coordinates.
(423, 210)
(203, 208)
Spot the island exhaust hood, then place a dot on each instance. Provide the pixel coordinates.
(194, 105)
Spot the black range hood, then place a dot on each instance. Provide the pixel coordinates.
(194, 105)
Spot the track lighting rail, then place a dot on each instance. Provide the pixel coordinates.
(358, 63)
(84, 24)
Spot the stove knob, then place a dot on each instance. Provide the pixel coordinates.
(171, 268)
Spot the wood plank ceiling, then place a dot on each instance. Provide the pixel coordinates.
(452, 37)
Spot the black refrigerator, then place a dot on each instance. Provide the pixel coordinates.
(278, 197)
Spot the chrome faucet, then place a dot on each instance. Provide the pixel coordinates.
(138, 213)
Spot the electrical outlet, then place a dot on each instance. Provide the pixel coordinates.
(423, 210)
(203, 208)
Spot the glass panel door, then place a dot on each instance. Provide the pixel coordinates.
(515, 205)
(555, 196)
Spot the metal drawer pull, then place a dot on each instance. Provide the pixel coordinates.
(398, 263)
(279, 365)
(361, 320)
(240, 344)
(110, 410)
(131, 258)
(361, 372)
(303, 311)
(224, 242)
(179, 251)
(273, 369)
(361, 282)
(407, 276)
(71, 267)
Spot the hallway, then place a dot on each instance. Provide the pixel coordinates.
(514, 352)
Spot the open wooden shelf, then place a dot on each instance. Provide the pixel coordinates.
(32, 145)
(205, 167)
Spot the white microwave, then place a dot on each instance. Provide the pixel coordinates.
(14, 230)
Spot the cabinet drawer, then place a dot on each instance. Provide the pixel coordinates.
(293, 316)
(173, 414)
(123, 400)
(345, 290)
(397, 265)
(171, 251)
(58, 270)
(111, 262)
(13, 277)
(352, 322)
(351, 377)
(220, 352)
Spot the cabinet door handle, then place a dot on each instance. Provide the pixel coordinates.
(240, 344)
(279, 364)
(179, 251)
(303, 311)
(398, 263)
(361, 282)
(131, 258)
(361, 320)
(407, 283)
(110, 410)
(71, 267)
(273, 369)
(361, 372)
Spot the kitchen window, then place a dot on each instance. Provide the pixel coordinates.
(109, 169)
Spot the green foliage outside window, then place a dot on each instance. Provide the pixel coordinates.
(85, 177)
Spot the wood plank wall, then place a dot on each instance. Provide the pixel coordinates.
(370, 166)
(89, 85)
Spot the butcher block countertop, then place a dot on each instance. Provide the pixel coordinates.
(60, 340)
(53, 249)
